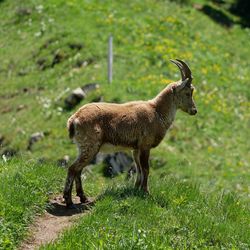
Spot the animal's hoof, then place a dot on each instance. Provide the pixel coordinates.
(83, 199)
(87, 201)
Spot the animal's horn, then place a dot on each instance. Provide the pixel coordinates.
(186, 69)
(179, 65)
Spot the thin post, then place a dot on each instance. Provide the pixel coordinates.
(110, 59)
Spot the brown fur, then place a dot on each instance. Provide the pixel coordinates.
(138, 125)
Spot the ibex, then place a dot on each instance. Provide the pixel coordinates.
(138, 125)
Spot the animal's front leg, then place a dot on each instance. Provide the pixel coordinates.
(136, 155)
(144, 160)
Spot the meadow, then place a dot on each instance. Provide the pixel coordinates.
(199, 179)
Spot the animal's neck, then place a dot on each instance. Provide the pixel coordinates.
(166, 106)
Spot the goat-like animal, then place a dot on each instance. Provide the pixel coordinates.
(138, 125)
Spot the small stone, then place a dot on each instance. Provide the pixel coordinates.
(79, 94)
(74, 98)
(9, 153)
(20, 107)
(34, 138)
(64, 161)
(90, 87)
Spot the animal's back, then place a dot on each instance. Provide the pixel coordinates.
(124, 125)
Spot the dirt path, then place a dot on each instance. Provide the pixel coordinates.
(49, 226)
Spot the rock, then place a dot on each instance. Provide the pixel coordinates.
(20, 107)
(79, 94)
(74, 98)
(36, 137)
(90, 87)
(9, 153)
(63, 162)
(116, 163)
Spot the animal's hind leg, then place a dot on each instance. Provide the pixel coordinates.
(67, 193)
(87, 152)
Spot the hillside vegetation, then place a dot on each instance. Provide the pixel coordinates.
(199, 178)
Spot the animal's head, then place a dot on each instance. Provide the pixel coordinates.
(183, 91)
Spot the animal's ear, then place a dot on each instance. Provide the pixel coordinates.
(181, 85)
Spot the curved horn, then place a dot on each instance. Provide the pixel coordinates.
(187, 71)
(179, 65)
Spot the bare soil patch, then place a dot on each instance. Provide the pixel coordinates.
(56, 218)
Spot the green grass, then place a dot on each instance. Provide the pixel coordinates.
(175, 216)
(25, 188)
(209, 152)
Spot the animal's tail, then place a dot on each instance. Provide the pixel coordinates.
(71, 128)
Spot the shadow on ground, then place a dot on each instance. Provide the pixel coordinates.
(239, 8)
(58, 208)
(217, 16)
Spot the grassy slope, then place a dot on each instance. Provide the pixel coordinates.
(210, 149)
(176, 215)
(25, 188)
